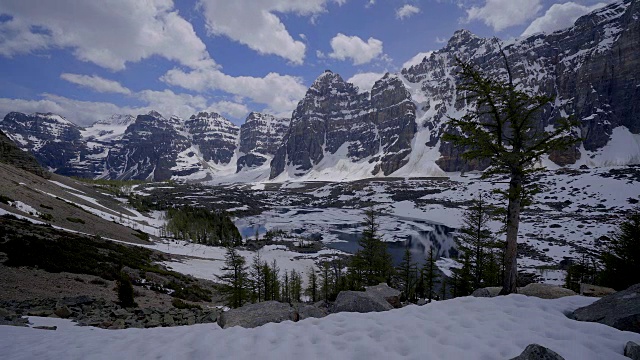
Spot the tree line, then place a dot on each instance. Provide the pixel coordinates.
(201, 226)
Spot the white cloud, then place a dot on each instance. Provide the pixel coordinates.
(256, 25)
(559, 16)
(96, 83)
(501, 14)
(365, 81)
(233, 109)
(279, 92)
(87, 112)
(352, 47)
(440, 40)
(406, 11)
(108, 33)
(416, 59)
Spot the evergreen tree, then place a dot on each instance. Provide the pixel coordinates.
(621, 257)
(296, 287)
(235, 279)
(326, 281)
(475, 238)
(286, 287)
(312, 287)
(463, 278)
(504, 128)
(406, 274)
(257, 275)
(372, 264)
(431, 275)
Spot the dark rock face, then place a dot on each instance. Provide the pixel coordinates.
(11, 154)
(591, 69)
(54, 141)
(632, 350)
(148, 149)
(391, 295)
(620, 310)
(260, 135)
(538, 352)
(334, 119)
(216, 137)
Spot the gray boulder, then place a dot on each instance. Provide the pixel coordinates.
(382, 290)
(620, 310)
(360, 301)
(492, 291)
(254, 315)
(538, 352)
(545, 291)
(63, 312)
(632, 350)
(595, 291)
(305, 311)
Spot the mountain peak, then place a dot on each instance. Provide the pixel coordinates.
(155, 114)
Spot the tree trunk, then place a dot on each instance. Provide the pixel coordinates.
(509, 284)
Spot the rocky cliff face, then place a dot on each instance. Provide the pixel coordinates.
(11, 154)
(55, 142)
(260, 137)
(148, 150)
(334, 120)
(215, 136)
(591, 69)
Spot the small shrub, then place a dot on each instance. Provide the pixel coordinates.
(179, 304)
(125, 291)
(141, 235)
(75, 220)
(46, 217)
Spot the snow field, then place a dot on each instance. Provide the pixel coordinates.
(462, 328)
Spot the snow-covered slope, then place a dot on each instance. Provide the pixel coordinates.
(462, 328)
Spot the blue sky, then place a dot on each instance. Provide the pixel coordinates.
(87, 60)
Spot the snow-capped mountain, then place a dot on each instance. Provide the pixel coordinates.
(592, 69)
(335, 123)
(260, 137)
(56, 142)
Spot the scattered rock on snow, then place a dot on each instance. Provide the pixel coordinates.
(538, 352)
(632, 350)
(360, 301)
(545, 291)
(258, 314)
(620, 310)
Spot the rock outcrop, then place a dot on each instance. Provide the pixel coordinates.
(538, 352)
(632, 350)
(258, 314)
(620, 310)
(11, 154)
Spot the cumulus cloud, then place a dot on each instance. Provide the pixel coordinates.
(559, 16)
(365, 81)
(256, 25)
(108, 33)
(96, 83)
(406, 11)
(233, 109)
(279, 92)
(352, 47)
(501, 14)
(416, 59)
